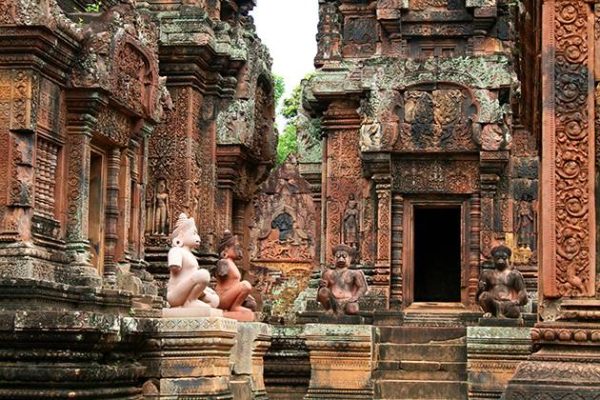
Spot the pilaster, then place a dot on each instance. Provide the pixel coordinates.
(83, 107)
(567, 361)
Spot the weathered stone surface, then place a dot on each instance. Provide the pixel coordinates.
(342, 359)
(247, 357)
(287, 364)
(493, 354)
(187, 356)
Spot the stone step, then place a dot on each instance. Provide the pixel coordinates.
(420, 390)
(424, 352)
(421, 370)
(411, 334)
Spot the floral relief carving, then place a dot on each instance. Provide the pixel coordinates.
(574, 274)
(436, 176)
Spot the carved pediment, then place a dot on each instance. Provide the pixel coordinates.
(119, 54)
(436, 118)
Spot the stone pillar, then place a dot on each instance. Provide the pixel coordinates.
(493, 354)
(252, 342)
(384, 230)
(342, 166)
(474, 249)
(397, 252)
(341, 361)
(567, 363)
(82, 109)
(187, 357)
(111, 217)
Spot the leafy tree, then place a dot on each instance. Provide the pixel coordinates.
(292, 104)
(288, 143)
(278, 88)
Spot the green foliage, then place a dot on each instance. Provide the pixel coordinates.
(288, 140)
(93, 7)
(292, 104)
(288, 143)
(278, 87)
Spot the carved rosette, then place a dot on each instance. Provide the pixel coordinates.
(569, 236)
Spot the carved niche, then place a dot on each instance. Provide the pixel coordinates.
(283, 247)
(436, 117)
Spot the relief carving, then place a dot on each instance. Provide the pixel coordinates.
(157, 211)
(436, 176)
(437, 120)
(351, 224)
(328, 38)
(574, 274)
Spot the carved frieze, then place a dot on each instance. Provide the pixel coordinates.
(134, 79)
(435, 176)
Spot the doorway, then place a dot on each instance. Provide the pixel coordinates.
(437, 254)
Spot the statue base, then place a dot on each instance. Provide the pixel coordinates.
(181, 312)
(187, 357)
(567, 365)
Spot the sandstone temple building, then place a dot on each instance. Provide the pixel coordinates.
(447, 164)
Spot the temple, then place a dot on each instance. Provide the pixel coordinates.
(434, 237)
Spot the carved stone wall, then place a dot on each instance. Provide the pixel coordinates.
(88, 185)
(434, 85)
(565, 333)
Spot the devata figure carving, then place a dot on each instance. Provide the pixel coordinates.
(501, 291)
(233, 292)
(160, 209)
(340, 288)
(350, 227)
(188, 293)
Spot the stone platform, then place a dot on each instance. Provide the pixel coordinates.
(493, 354)
(342, 361)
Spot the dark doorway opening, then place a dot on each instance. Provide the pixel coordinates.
(437, 254)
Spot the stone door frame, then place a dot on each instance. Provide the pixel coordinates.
(410, 202)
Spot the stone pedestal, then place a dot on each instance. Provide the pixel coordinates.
(247, 359)
(341, 361)
(493, 354)
(187, 357)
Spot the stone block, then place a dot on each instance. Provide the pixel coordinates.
(247, 358)
(493, 354)
(187, 356)
(287, 365)
(342, 360)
